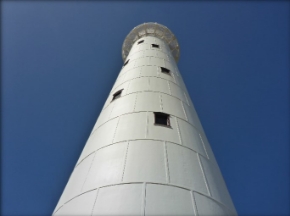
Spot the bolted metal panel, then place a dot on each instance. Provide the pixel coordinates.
(148, 101)
(107, 166)
(76, 181)
(100, 137)
(123, 105)
(159, 85)
(190, 137)
(119, 81)
(125, 131)
(149, 71)
(126, 199)
(148, 166)
(176, 91)
(192, 117)
(142, 61)
(167, 200)
(173, 106)
(209, 152)
(138, 54)
(131, 75)
(104, 116)
(185, 169)
(135, 165)
(139, 85)
(206, 206)
(81, 205)
(216, 183)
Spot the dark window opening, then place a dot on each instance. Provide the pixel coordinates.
(126, 62)
(155, 45)
(162, 119)
(117, 94)
(165, 70)
(140, 41)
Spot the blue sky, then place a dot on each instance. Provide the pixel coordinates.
(60, 59)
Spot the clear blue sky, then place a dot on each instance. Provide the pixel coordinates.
(61, 58)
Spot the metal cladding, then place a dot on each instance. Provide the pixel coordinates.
(147, 153)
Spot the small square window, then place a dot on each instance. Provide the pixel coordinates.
(162, 119)
(155, 45)
(126, 62)
(141, 41)
(117, 94)
(165, 70)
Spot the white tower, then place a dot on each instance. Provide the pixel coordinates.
(147, 153)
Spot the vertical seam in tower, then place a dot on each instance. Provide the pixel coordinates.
(141, 68)
(128, 86)
(135, 102)
(186, 98)
(161, 104)
(125, 161)
(110, 112)
(178, 131)
(204, 177)
(121, 78)
(174, 78)
(147, 125)
(149, 61)
(124, 76)
(116, 129)
(184, 165)
(166, 163)
(158, 72)
(134, 63)
(203, 145)
(169, 88)
(194, 203)
(115, 84)
(88, 171)
(95, 201)
(174, 69)
(144, 197)
(183, 110)
(149, 82)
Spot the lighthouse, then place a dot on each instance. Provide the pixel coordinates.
(147, 153)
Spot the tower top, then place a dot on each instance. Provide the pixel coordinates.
(151, 29)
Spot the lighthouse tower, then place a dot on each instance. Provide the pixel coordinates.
(147, 153)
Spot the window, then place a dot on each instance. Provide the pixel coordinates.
(126, 62)
(155, 45)
(141, 41)
(117, 94)
(162, 119)
(165, 70)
